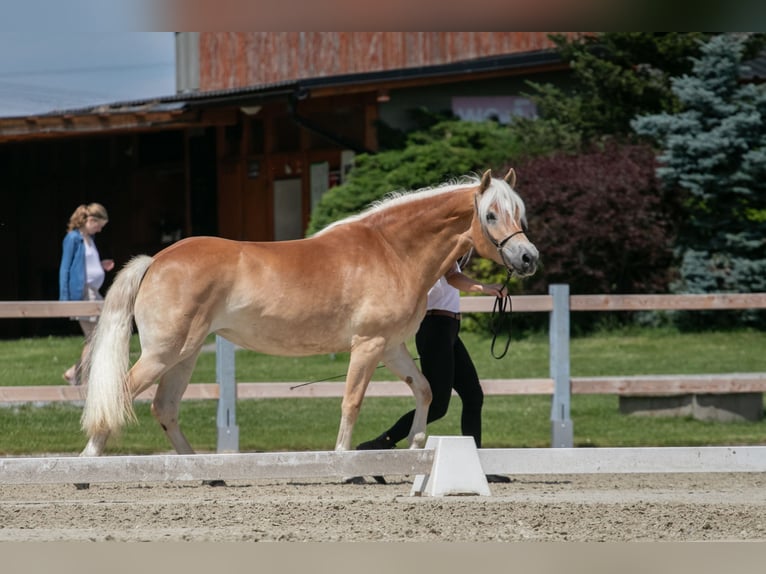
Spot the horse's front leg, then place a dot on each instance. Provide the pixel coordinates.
(365, 354)
(400, 362)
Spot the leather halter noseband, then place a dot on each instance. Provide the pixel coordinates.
(500, 244)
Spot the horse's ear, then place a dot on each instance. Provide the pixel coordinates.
(510, 178)
(486, 179)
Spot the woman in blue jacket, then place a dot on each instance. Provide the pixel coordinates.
(82, 271)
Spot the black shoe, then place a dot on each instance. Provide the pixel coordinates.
(497, 478)
(361, 480)
(355, 480)
(383, 442)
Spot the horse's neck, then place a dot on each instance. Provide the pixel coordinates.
(430, 233)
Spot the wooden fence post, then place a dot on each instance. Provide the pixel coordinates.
(228, 431)
(562, 432)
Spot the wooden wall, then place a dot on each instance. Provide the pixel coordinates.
(239, 59)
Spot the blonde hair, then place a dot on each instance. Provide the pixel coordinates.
(83, 212)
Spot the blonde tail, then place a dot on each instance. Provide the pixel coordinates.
(108, 405)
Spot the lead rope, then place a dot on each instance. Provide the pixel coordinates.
(333, 377)
(501, 310)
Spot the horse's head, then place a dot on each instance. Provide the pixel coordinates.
(499, 225)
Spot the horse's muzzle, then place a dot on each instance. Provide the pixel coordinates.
(523, 259)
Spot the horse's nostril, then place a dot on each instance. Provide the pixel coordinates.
(526, 259)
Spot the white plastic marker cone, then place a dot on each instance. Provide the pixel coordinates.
(456, 469)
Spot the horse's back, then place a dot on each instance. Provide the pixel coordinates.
(199, 248)
(259, 295)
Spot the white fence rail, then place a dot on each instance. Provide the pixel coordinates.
(337, 464)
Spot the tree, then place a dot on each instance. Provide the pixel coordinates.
(714, 154)
(617, 76)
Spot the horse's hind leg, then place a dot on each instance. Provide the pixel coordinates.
(95, 447)
(96, 444)
(400, 362)
(167, 402)
(140, 377)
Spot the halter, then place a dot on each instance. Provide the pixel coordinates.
(499, 245)
(502, 307)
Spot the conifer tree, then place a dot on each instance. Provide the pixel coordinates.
(714, 152)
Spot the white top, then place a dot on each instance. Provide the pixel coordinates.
(94, 272)
(444, 296)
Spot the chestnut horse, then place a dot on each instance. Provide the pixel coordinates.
(359, 285)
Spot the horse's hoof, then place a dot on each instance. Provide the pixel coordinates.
(214, 483)
(82, 485)
(419, 440)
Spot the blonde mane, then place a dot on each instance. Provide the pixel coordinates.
(400, 197)
(499, 194)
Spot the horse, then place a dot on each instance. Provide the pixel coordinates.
(359, 285)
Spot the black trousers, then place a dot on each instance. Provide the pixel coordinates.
(446, 364)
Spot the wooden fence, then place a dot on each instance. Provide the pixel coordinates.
(560, 385)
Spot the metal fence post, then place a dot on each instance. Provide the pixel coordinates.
(228, 431)
(562, 432)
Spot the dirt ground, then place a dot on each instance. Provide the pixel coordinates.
(588, 508)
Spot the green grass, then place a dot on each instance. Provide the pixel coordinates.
(312, 424)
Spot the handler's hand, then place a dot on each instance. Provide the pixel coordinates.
(496, 289)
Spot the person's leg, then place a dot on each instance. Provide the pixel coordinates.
(435, 341)
(468, 388)
(72, 374)
(88, 325)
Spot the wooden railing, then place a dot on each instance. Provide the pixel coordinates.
(558, 303)
(48, 309)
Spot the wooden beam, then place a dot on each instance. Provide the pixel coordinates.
(521, 303)
(314, 464)
(668, 302)
(669, 385)
(26, 309)
(196, 467)
(649, 385)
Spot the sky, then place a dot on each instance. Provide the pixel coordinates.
(44, 70)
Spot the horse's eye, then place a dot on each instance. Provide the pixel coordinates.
(491, 217)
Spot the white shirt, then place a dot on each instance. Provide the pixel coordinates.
(94, 272)
(444, 296)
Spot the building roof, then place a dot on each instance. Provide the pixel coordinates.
(184, 108)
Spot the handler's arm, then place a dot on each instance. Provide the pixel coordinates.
(464, 283)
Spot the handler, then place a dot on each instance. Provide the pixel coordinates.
(446, 364)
